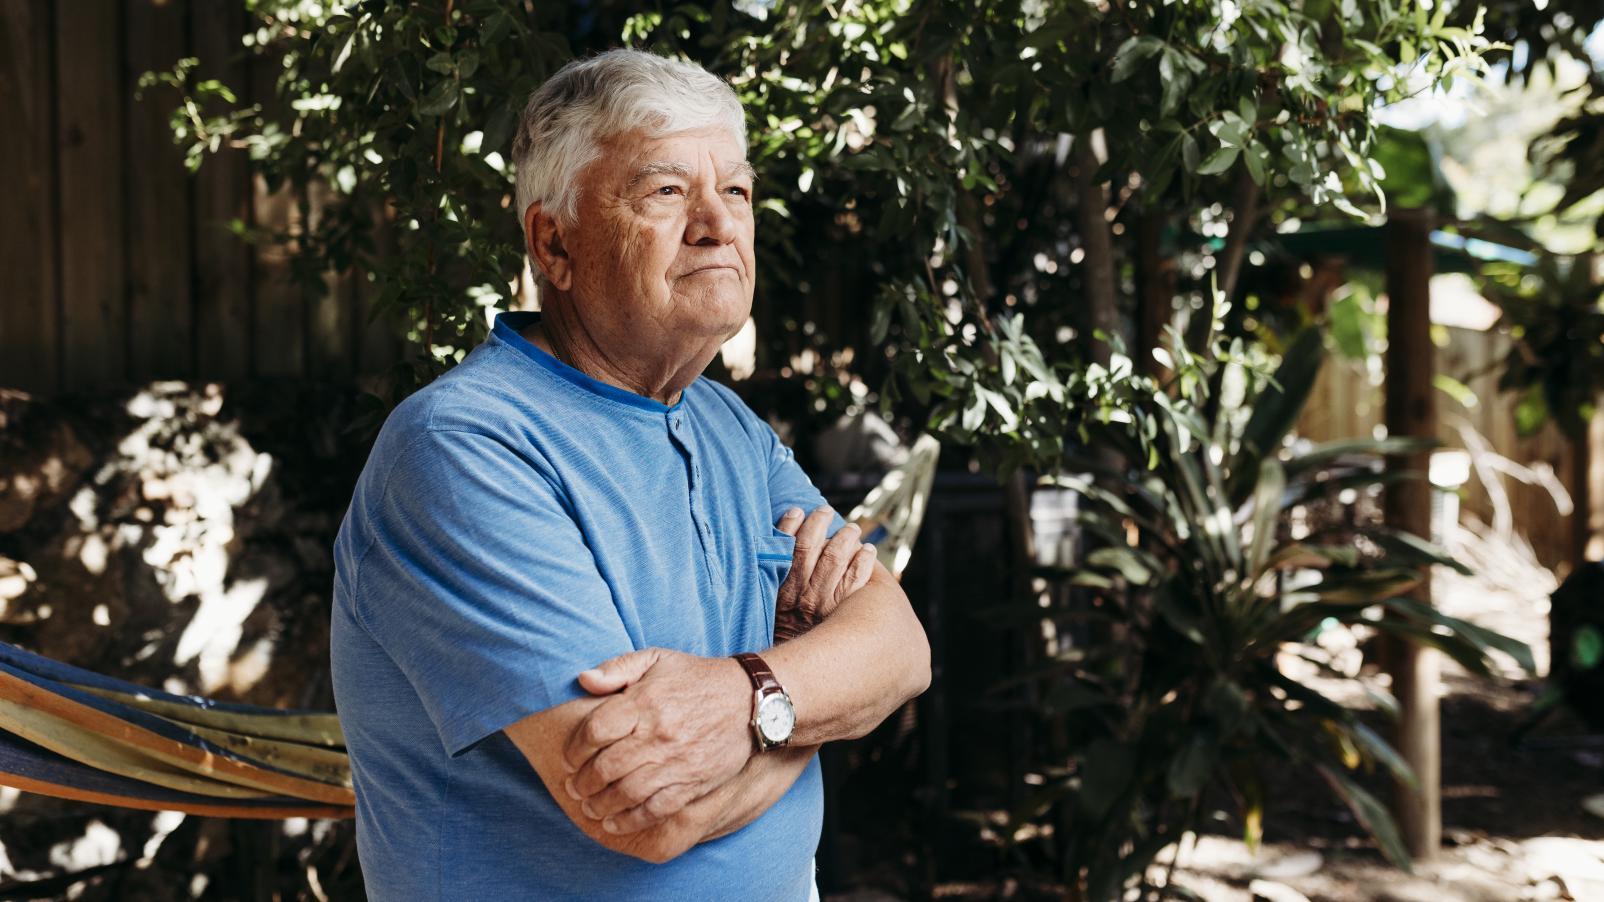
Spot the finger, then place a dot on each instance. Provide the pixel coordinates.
(861, 569)
(810, 537)
(666, 803)
(606, 767)
(627, 792)
(790, 521)
(614, 674)
(855, 577)
(611, 721)
(833, 560)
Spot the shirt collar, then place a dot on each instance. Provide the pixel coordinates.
(507, 329)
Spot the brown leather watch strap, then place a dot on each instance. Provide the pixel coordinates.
(762, 677)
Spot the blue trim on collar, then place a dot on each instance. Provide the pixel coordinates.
(510, 323)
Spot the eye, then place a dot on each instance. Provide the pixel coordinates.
(667, 190)
(739, 191)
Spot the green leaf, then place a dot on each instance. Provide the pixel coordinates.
(1275, 411)
(1266, 513)
(1453, 388)
(1371, 814)
(1381, 751)
(879, 322)
(1411, 550)
(1189, 771)
(439, 99)
(1255, 157)
(1106, 769)
(1532, 411)
(1173, 83)
(1479, 635)
(1130, 55)
(1350, 327)
(1587, 647)
(1218, 161)
(1324, 454)
(1364, 587)
(1125, 561)
(1179, 610)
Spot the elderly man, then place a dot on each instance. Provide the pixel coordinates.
(586, 637)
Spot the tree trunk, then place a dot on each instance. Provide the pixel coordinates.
(1412, 411)
(1244, 216)
(1155, 292)
(1101, 311)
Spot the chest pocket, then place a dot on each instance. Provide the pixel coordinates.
(774, 551)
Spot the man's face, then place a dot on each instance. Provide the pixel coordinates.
(661, 250)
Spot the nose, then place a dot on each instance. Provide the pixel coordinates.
(710, 222)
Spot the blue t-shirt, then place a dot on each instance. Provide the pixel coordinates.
(516, 523)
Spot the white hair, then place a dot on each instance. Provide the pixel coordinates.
(591, 100)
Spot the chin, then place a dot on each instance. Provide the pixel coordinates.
(718, 316)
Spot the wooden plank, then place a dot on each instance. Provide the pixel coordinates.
(159, 232)
(222, 196)
(278, 309)
(29, 335)
(329, 316)
(89, 137)
(379, 340)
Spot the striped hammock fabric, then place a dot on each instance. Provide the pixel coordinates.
(75, 734)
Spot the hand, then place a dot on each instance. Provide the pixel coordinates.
(676, 728)
(823, 573)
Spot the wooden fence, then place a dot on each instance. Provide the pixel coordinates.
(1347, 403)
(119, 266)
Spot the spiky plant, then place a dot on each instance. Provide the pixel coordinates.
(1198, 575)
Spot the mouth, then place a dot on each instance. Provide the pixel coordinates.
(713, 268)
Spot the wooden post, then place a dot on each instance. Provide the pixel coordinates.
(1587, 539)
(1412, 411)
(1592, 476)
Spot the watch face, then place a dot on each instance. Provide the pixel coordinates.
(776, 717)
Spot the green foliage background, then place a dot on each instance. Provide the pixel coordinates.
(973, 172)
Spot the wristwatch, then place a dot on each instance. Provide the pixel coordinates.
(773, 715)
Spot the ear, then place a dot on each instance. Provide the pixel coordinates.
(544, 243)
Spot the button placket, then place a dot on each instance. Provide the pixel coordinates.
(704, 531)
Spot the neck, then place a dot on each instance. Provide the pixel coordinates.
(661, 376)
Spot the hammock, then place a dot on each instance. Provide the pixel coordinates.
(75, 734)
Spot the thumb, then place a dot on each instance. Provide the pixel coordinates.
(617, 673)
(791, 520)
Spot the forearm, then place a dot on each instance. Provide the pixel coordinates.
(743, 799)
(850, 671)
(766, 778)
(761, 782)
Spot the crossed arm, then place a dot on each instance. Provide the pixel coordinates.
(661, 757)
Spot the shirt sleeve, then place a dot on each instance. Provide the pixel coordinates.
(789, 485)
(480, 586)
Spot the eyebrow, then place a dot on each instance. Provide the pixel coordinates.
(671, 167)
(659, 167)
